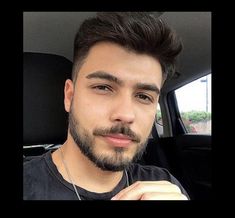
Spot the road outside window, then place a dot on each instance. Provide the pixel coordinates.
(194, 102)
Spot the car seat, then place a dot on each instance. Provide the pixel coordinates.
(44, 117)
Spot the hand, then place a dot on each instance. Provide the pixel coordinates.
(151, 190)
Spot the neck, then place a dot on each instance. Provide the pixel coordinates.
(83, 172)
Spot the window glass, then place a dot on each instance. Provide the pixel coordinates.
(159, 115)
(159, 123)
(194, 102)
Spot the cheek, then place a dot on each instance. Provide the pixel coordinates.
(146, 123)
(90, 112)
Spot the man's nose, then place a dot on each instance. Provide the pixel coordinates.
(123, 110)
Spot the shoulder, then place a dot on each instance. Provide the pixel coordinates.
(34, 163)
(35, 172)
(153, 173)
(38, 166)
(148, 173)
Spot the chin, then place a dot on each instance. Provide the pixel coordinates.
(113, 162)
(114, 167)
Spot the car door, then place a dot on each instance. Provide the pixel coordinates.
(186, 149)
(192, 139)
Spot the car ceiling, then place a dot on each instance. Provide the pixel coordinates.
(53, 32)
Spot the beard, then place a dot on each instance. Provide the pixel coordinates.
(86, 143)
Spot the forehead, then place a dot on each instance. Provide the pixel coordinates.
(122, 63)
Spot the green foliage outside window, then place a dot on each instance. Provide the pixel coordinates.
(159, 117)
(196, 116)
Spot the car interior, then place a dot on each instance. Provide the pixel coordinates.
(47, 63)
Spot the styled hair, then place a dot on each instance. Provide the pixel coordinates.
(140, 32)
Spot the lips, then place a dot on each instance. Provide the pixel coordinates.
(118, 140)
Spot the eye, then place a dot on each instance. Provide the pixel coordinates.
(143, 98)
(102, 88)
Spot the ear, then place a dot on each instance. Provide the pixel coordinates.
(68, 94)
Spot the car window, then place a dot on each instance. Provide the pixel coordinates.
(159, 115)
(159, 122)
(194, 103)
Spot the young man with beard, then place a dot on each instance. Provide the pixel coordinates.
(121, 61)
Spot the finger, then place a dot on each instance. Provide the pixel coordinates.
(140, 183)
(163, 196)
(136, 190)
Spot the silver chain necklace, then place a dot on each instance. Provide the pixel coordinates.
(71, 180)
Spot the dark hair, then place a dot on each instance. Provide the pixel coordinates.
(140, 32)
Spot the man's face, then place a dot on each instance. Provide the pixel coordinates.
(112, 105)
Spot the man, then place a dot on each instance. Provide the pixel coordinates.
(121, 61)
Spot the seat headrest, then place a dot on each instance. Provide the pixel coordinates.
(44, 117)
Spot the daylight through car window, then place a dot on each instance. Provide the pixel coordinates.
(194, 102)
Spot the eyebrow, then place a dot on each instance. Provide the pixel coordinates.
(148, 87)
(111, 78)
(106, 76)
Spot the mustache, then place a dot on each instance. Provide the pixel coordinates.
(118, 129)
